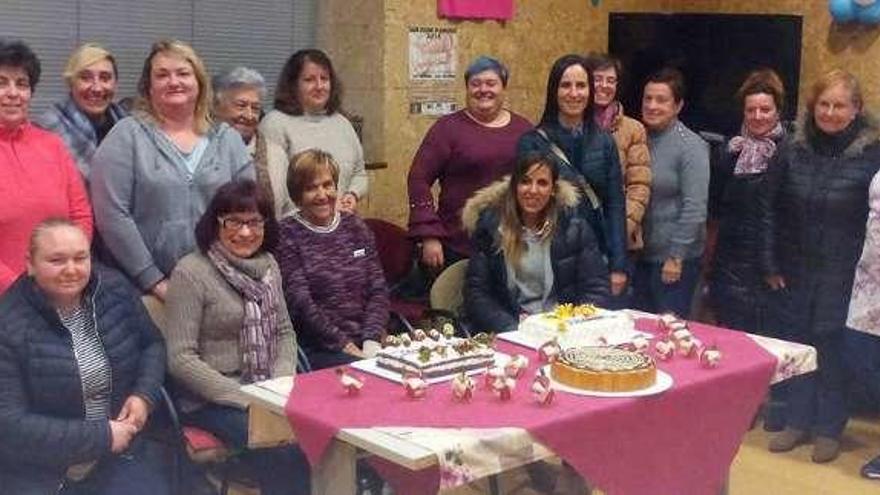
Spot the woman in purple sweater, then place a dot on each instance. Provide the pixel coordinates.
(464, 151)
(333, 282)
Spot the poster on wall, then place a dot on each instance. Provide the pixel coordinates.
(501, 10)
(432, 53)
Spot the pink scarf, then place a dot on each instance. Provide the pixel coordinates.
(754, 151)
(605, 117)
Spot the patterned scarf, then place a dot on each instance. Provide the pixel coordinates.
(605, 117)
(754, 151)
(261, 165)
(259, 326)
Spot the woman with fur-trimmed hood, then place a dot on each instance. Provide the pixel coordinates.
(531, 249)
(813, 209)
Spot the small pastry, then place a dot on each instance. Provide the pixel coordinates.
(710, 357)
(549, 351)
(419, 335)
(350, 383)
(542, 390)
(664, 349)
(463, 387)
(414, 385)
(516, 366)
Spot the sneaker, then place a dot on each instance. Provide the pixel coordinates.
(826, 449)
(871, 470)
(787, 440)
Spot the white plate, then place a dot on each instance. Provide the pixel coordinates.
(369, 366)
(533, 341)
(663, 383)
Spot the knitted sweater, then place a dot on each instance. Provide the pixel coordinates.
(331, 133)
(276, 166)
(635, 164)
(675, 222)
(204, 316)
(38, 180)
(462, 156)
(147, 203)
(333, 283)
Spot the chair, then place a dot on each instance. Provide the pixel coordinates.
(396, 256)
(447, 295)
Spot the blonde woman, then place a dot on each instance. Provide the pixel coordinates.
(157, 170)
(84, 118)
(531, 248)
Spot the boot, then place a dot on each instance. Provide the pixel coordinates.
(787, 440)
(826, 449)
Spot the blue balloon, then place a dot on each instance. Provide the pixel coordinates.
(870, 14)
(842, 10)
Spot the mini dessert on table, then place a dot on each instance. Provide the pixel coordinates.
(710, 357)
(463, 387)
(549, 351)
(542, 389)
(516, 366)
(604, 369)
(414, 385)
(350, 383)
(503, 386)
(664, 349)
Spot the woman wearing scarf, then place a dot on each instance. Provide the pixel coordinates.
(88, 113)
(228, 325)
(813, 208)
(739, 294)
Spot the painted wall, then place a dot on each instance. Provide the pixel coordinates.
(367, 40)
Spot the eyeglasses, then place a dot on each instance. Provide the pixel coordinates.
(604, 81)
(233, 223)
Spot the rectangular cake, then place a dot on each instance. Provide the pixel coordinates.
(575, 326)
(434, 358)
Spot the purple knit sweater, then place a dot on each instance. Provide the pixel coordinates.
(464, 156)
(333, 283)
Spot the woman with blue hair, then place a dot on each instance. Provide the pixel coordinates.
(464, 151)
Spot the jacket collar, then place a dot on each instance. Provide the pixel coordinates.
(491, 197)
(869, 134)
(37, 298)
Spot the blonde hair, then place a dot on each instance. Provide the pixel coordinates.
(511, 225)
(84, 56)
(833, 78)
(186, 52)
(305, 166)
(46, 225)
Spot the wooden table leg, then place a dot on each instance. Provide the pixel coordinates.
(336, 475)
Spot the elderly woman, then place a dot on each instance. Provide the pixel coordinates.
(156, 171)
(333, 282)
(864, 312)
(464, 151)
(667, 273)
(81, 366)
(38, 178)
(307, 115)
(813, 208)
(532, 250)
(88, 113)
(238, 101)
(227, 325)
(739, 294)
(586, 156)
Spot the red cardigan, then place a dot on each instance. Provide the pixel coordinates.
(38, 180)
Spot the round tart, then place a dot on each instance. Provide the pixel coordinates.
(604, 369)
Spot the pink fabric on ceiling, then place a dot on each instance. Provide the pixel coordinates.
(476, 9)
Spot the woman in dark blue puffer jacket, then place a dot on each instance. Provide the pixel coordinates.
(81, 366)
(531, 248)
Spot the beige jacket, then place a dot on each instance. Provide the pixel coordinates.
(635, 161)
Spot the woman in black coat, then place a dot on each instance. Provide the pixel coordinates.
(531, 248)
(813, 211)
(740, 296)
(81, 366)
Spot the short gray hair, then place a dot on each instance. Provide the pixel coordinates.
(239, 77)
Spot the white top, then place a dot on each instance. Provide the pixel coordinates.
(331, 133)
(864, 307)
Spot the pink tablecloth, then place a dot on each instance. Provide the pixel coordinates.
(681, 441)
(476, 9)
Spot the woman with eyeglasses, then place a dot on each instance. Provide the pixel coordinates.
(227, 325)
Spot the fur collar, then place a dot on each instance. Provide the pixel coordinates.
(491, 196)
(869, 134)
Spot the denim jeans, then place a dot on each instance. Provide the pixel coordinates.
(140, 470)
(652, 295)
(279, 471)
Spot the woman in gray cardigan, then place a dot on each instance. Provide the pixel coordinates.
(155, 172)
(227, 325)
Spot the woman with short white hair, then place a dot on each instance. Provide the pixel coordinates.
(238, 96)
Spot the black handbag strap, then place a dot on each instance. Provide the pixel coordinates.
(582, 183)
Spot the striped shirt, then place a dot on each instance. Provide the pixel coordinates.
(94, 367)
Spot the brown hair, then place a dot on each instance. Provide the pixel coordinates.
(765, 81)
(304, 167)
(186, 52)
(672, 78)
(287, 92)
(833, 78)
(511, 225)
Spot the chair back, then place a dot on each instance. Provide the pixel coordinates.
(394, 247)
(156, 310)
(447, 290)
